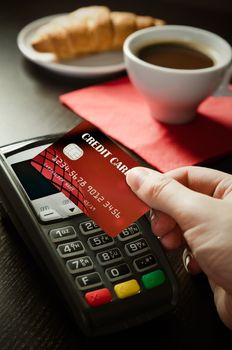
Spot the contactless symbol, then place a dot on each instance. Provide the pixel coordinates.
(73, 152)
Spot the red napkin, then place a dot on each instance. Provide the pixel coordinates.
(120, 111)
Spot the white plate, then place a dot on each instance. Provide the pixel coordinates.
(89, 66)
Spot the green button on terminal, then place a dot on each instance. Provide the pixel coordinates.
(153, 279)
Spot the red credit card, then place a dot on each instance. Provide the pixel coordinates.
(90, 170)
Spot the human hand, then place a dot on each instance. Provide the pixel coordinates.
(193, 206)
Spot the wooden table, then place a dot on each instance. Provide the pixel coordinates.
(32, 314)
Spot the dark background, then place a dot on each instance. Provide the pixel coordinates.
(32, 315)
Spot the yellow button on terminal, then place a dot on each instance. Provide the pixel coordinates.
(127, 289)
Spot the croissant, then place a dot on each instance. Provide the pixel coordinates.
(88, 30)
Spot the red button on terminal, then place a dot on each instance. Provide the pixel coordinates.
(98, 297)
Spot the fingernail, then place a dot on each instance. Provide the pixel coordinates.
(135, 177)
(187, 257)
(154, 216)
(187, 262)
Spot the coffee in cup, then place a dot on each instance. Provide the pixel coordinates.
(176, 55)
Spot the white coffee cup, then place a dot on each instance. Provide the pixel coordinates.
(173, 95)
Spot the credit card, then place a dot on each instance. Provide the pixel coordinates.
(90, 169)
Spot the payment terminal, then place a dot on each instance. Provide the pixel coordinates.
(110, 284)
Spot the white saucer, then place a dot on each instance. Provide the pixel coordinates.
(90, 66)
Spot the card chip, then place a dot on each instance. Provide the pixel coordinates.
(73, 152)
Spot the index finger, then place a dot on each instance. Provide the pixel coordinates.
(204, 180)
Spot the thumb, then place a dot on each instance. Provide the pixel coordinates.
(161, 192)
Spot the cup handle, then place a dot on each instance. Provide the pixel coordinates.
(223, 89)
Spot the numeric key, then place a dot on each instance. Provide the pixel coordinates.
(100, 241)
(89, 227)
(79, 264)
(62, 233)
(109, 256)
(136, 247)
(70, 249)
